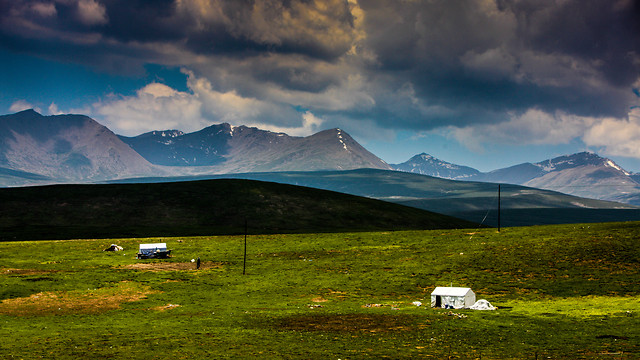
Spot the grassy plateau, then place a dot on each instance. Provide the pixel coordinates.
(562, 292)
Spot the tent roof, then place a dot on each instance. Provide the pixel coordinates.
(451, 291)
(153, 246)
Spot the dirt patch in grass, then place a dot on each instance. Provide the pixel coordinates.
(165, 307)
(75, 302)
(371, 323)
(25, 272)
(174, 266)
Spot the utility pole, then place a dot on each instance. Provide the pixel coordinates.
(244, 263)
(498, 207)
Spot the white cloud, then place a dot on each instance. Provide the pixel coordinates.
(91, 12)
(21, 105)
(310, 125)
(617, 137)
(311, 121)
(53, 109)
(154, 107)
(160, 107)
(534, 127)
(226, 106)
(349, 94)
(611, 136)
(44, 9)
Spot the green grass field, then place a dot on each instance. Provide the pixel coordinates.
(563, 292)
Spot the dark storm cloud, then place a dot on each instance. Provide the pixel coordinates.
(402, 64)
(288, 27)
(575, 56)
(144, 20)
(235, 28)
(601, 31)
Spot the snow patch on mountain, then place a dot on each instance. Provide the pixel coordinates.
(615, 166)
(341, 140)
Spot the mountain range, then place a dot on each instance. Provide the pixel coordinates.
(227, 149)
(37, 149)
(583, 174)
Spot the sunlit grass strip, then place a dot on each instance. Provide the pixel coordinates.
(90, 301)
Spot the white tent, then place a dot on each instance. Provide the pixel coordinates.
(483, 304)
(452, 297)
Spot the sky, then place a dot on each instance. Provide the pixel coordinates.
(481, 83)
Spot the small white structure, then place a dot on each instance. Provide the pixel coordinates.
(452, 297)
(114, 247)
(482, 304)
(157, 250)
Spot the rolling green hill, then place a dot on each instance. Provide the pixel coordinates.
(198, 208)
(470, 200)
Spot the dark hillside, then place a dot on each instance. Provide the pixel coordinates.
(198, 208)
(470, 200)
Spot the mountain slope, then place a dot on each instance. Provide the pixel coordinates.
(426, 164)
(65, 148)
(175, 148)
(583, 174)
(257, 150)
(517, 174)
(223, 149)
(198, 208)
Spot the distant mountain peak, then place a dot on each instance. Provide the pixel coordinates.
(426, 164)
(66, 148)
(584, 158)
(244, 149)
(244, 129)
(28, 112)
